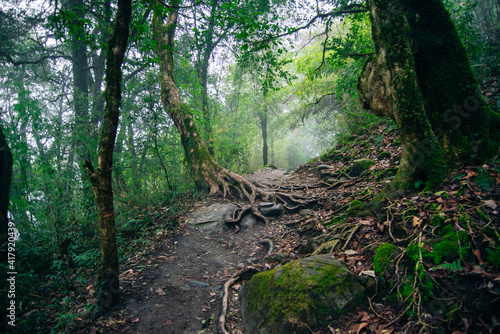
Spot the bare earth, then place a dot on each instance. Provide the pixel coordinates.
(175, 286)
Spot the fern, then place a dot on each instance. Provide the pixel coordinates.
(455, 266)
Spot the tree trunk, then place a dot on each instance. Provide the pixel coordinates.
(460, 116)
(108, 280)
(206, 172)
(263, 129)
(413, 79)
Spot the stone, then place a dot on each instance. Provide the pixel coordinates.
(279, 257)
(360, 165)
(197, 284)
(299, 296)
(274, 210)
(383, 155)
(211, 219)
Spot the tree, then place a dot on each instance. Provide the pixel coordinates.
(207, 173)
(421, 77)
(108, 280)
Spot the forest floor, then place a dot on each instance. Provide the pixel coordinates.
(175, 285)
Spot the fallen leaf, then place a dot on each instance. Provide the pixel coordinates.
(370, 273)
(491, 204)
(477, 253)
(416, 221)
(350, 252)
(160, 292)
(361, 326)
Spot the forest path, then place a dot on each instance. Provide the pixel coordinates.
(175, 286)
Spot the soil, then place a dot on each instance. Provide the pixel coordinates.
(176, 286)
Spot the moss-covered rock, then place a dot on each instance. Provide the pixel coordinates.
(360, 165)
(302, 294)
(384, 255)
(383, 155)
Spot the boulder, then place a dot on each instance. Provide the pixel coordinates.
(360, 165)
(211, 219)
(299, 296)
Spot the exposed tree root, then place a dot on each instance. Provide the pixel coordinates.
(239, 213)
(228, 184)
(245, 273)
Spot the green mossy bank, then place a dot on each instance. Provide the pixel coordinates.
(300, 295)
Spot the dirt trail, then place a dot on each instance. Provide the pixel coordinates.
(176, 286)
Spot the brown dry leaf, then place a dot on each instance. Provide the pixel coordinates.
(361, 326)
(477, 253)
(160, 292)
(416, 221)
(491, 204)
(365, 222)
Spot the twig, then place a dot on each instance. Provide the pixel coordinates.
(355, 228)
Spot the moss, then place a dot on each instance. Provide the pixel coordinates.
(300, 291)
(384, 255)
(383, 155)
(451, 247)
(389, 172)
(494, 257)
(439, 219)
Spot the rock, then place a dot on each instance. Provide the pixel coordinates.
(211, 220)
(383, 155)
(299, 296)
(266, 204)
(279, 257)
(197, 284)
(360, 165)
(273, 210)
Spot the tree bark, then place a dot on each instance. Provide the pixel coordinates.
(202, 64)
(413, 79)
(100, 179)
(263, 128)
(206, 172)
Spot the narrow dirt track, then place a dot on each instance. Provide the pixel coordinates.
(176, 286)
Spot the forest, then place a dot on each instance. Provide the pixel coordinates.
(373, 127)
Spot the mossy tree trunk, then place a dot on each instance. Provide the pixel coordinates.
(206, 172)
(100, 179)
(421, 77)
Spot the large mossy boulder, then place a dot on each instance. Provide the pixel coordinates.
(300, 295)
